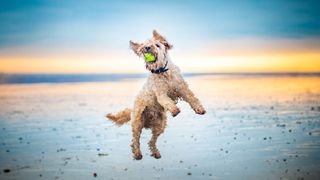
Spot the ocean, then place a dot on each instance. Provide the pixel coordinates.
(73, 78)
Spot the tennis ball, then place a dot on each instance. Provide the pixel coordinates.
(148, 57)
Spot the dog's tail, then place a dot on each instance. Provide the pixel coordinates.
(121, 117)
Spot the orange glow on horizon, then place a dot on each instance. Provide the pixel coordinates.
(250, 62)
(294, 62)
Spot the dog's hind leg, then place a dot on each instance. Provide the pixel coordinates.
(156, 131)
(137, 125)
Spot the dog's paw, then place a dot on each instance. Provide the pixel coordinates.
(175, 112)
(156, 155)
(200, 110)
(137, 156)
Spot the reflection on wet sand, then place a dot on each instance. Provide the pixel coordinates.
(264, 127)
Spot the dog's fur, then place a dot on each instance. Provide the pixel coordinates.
(159, 94)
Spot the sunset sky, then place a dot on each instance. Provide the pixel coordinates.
(73, 36)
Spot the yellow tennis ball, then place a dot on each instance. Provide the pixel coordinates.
(148, 57)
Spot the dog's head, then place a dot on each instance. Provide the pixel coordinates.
(157, 46)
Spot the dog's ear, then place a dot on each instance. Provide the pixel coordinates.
(135, 47)
(161, 39)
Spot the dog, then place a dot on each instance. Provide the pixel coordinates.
(161, 92)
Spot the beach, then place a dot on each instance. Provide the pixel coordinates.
(256, 127)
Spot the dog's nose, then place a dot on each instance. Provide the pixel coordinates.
(148, 48)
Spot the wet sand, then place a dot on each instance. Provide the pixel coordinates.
(264, 127)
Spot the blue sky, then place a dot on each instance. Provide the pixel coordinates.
(48, 26)
(82, 22)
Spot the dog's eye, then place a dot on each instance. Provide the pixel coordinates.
(158, 45)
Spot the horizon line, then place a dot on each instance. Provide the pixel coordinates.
(84, 78)
(138, 73)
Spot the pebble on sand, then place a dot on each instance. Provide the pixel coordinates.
(103, 154)
(281, 125)
(6, 170)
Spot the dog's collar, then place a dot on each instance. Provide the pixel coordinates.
(160, 70)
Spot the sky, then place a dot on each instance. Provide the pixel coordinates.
(74, 36)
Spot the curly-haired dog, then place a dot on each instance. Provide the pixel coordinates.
(164, 87)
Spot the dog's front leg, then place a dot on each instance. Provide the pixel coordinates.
(168, 104)
(188, 96)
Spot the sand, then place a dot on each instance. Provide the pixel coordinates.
(261, 127)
